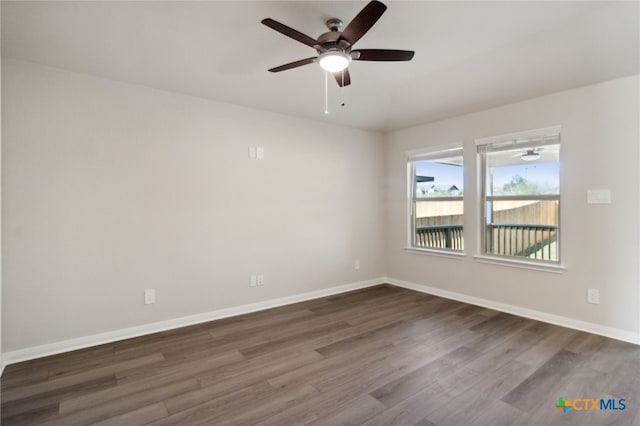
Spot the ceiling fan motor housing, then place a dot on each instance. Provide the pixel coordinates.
(335, 24)
(330, 41)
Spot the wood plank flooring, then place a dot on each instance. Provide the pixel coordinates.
(378, 356)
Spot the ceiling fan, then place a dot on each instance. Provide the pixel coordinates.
(335, 47)
(529, 154)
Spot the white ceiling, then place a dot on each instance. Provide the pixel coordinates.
(469, 55)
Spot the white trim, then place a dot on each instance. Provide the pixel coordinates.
(589, 327)
(415, 154)
(526, 134)
(522, 264)
(127, 333)
(437, 252)
(141, 330)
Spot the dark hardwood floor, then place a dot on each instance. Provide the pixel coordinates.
(379, 356)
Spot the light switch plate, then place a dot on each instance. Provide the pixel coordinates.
(599, 196)
(150, 296)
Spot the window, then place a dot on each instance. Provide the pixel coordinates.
(436, 191)
(521, 195)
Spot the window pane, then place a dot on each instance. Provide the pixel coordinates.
(527, 229)
(524, 171)
(439, 178)
(437, 181)
(521, 195)
(438, 224)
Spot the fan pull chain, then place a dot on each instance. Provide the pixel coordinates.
(342, 89)
(326, 93)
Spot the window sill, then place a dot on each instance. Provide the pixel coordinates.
(522, 264)
(440, 253)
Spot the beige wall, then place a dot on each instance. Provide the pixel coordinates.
(111, 188)
(600, 243)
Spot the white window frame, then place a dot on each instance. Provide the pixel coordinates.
(485, 257)
(424, 154)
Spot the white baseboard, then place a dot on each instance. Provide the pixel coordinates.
(127, 333)
(614, 333)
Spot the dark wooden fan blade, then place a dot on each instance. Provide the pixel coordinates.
(381, 55)
(295, 64)
(343, 80)
(363, 22)
(289, 32)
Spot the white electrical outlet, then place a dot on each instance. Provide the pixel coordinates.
(150, 296)
(253, 282)
(260, 279)
(593, 296)
(356, 264)
(252, 152)
(259, 152)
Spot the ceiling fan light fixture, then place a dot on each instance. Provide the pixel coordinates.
(530, 156)
(334, 61)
